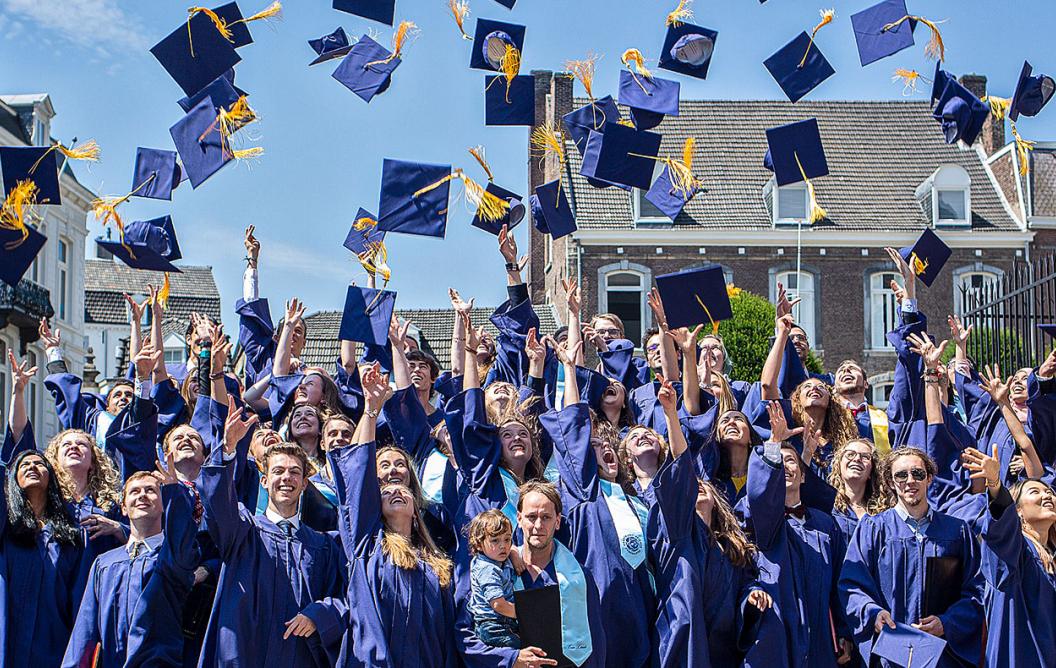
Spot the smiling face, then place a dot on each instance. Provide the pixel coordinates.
(850, 379)
(1017, 389)
(733, 429)
(911, 479)
(1037, 502)
(614, 396)
(186, 445)
(397, 504)
(814, 393)
(793, 468)
(75, 451)
(421, 375)
(304, 421)
(705, 504)
(337, 432)
(652, 351)
(393, 468)
(310, 391)
(856, 462)
(605, 453)
(538, 519)
(32, 473)
(516, 445)
(800, 342)
(261, 441)
(298, 338)
(285, 480)
(118, 398)
(142, 499)
(712, 354)
(642, 441)
(497, 396)
(486, 349)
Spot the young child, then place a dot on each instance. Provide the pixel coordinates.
(492, 571)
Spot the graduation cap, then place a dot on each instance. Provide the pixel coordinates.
(927, 256)
(1049, 329)
(938, 84)
(887, 28)
(156, 173)
(695, 296)
(368, 243)
(676, 185)
(203, 142)
(509, 101)
(330, 46)
(799, 66)
(551, 212)
(508, 4)
(649, 98)
(197, 52)
(688, 49)
(40, 165)
(622, 156)
(414, 198)
(221, 91)
(487, 217)
(795, 155)
(367, 315)
(589, 118)
(495, 43)
(381, 11)
(960, 113)
(907, 646)
(19, 246)
(147, 244)
(1032, 93)
(368, 67)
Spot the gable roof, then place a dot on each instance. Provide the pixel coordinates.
(878, 154)
(106, 281)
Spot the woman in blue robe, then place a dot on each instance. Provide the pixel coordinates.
(855, 476)
(401, 606)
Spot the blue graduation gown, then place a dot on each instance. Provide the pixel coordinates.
(113, 595)
(398, 617)
(1020, 595)
(256, 337)
(266, 579)
(793, 372)
(513, 318)
(281, 390)
(799, 566)
(702, 595)
(172, 407)
(884, 570)
(619, 363)
(626, 593)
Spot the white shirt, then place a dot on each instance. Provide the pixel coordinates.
(276, 518)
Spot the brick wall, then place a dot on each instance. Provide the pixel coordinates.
(992, 137)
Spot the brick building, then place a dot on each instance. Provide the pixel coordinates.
(891, 175)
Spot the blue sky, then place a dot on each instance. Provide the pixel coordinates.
(324, 146)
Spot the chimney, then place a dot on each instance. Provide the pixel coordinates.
(993, 134)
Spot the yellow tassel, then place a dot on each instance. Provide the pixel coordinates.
(683, 182)
(546, 139)
(375, 261)
(363, 223)
(433, 186)
(399, 40)
(998, 106)
(1023, 149)
(634, 57)
(105, 211)
(270, 12)
(510, 65)
(817, 214)
(460, 10)
(714, 325)
(221, 25)
(732, 291)
(583, 70)
(680, 15)
(687, 152)
(827, 15)
(247, 153)
(625, 122)
(89, 151)
(909, 79)
(478, 153)
(489, 207)
(230, 121)
(163, 293)
(17, 207)
(919, 266)
(936, 48)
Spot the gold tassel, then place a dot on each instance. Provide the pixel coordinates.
(919, 266)
(909, 79)
(478, 153)
(546, 139)
(489, 207)
(683, 182)
(714, 325)
(936, 48)
(17, 207)
(375, 258)
(433, 186)
(1023, 149)
(460, 10)
(510, 64)
(221, 25)
(274, 10)
(89, 151)
(399, 40)
(230, 121)
(163, 293)
(680, 15)
(998, 106)
(827, 15)
(583, 70)
(363, 223)
(732, 291)
(817, 214)
(635, 63)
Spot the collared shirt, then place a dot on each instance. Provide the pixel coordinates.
(147, 545)
(295, 520)
(918, 527)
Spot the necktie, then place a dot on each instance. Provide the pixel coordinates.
(287, 528)
(134, 548)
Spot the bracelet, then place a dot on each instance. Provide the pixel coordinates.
(371, 414)
(216, 376)
(512, 267)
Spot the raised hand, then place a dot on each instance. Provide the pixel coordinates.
(684, 338)
(145, 361)
(398, 332)
(565, 355)
(166, 474)
(1048, 367)
(252, 246)
(983, 466)
(783, 306)
(666, 395)
(657, 306)
(235, 428)
(474, 335)
(47, 337)
(294, 312)
(376, 389)
(534, 348)
(958, 332)
(779, 430)
(598, 341)
(785, 324)
(157, 310)
(811, 440)
(136, 310)
(21, 373)
(457, 303)
(909, 277)
(990, 380)
(572, 295)
(221, 350)
(508, 248)
(922, 345)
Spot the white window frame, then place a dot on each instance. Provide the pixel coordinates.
(880, 308)
(947, 178)
(63, 253)
(795, 187)
(637, 194)
(645, 276)
(808, 306)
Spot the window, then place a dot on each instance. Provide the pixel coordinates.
(624, 297)
(548, 250)
(801, 285)
(645, 211)
(880, 394)
(948, 193)
(64, 282)
(33, 390)
(952, 204)
(140, 299)
(792, 206)
(972, 288)
(882, 307)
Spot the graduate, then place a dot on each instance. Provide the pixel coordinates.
(605, 524)
(733, 438)
(1018, 542)
(800, 555)
(855, 476)
(400, 593)
(274, 566)
(161, 545)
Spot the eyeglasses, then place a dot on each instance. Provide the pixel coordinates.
(608, 331)
(653, 348)
(918, 474)
(708, 349)
(851, 455)
(798, 337)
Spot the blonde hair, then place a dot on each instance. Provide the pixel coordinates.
(519, 413)
(104, 481)
(876, 500)
(406, 553)
(486, 525)
(627, 475)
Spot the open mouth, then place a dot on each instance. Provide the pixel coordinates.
(732, 431)
(1048, 504)
(32, 475)
(187, 447)
(517, 448)
(286, 489)
(610, 391)
(397, 501)
(856, 467)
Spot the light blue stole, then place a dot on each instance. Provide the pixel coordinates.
(513, 492)
(576, 643)
(432, 476)
(630, 516)
(551, 473)
(103, 420)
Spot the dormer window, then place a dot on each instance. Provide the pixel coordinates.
(948, 195)
(792, 205)
(645, 212)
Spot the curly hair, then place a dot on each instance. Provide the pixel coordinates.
(627, 475)
(838, 426)
(486, 525)
(23, 524)
(104, 480)
(889, 461)
(727, 531)
(876, 499)
(519, 413)
(406, 553)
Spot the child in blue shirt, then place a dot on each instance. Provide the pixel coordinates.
(492, 572)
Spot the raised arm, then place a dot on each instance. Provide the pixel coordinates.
(397, 333)
(567, 355)
(227, 524)
(283, 352)
(508, 250)
(667, 397)
(219, 353)
(458, 331)
(21, 374)
(536, 352)
(668, 355)
(998, 391)
(471, 377)
(179, 553)
(922, 345)
(768, 379)
(686, 341)
(575, 327)
(135, 324)
(157, 335)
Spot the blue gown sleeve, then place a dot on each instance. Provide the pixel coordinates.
(675, 487)
(699, 431)
(172, 408)
(979, 407)
(179, 551)
(792, 371)
(13, 448)
(86, 633)
(766, 497)
(134, 437)
(859, 584)
(74, 408)
(349, 390)
(1041, 420)
(208, 420)
(474, 441)
(229, 526)
(569, 429)
(447, 386)
(513, 320)
(280, 391)
(408, 423)
(331, 618)
(256, 337)
(1004, 546)
(906, 403)
(358, 496)
(963, 622)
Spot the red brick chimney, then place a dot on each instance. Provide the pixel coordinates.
(992, 137)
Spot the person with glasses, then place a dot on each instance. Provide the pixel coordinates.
(914, 565)
(855, 475)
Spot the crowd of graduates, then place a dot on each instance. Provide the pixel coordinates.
(526, 507)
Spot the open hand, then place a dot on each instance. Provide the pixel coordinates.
(47, 337)
(22, 373)
(779, 430)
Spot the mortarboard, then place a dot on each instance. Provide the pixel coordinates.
(938, 83)
(876, 34)
(490, 40)
(590, 118)
(960, 113)
(367, 315)
(196, 53)
(362, 236)
(621, 156)
(38, 164)
(1032, 93)
(232, 17)
(401, 210)
(368, 67)
(794, 145)
(666, 197)
(156, 173)
(508, 4)
(381, 11)
(907, 646)
(221, 91)
(17, 252)
(799, 67)
(551, 211)
(1049, 329)
(688, 49)
(695, 296)
(927, 256)
(147, 244)
(200, 143)
(512, 217)
(330, 46)
(515, 106)
(650, 98)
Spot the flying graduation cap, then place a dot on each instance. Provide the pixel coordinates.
(622, 156)
(368, 243)
(677, 184)
(40, 165)
(509, 99)
(414, 198)
(960, 113)
(20, 242)
(367, 68)
(203, 138)
(796, 154)
(367, 315)
(687, 48)
(328, 47)
(551, 212)
(1032, 93)
(497, 46)
(887, 28)
(695, 296)
(927, 256)
(237, 25)
(156, 174)
(514, 211)
(147, 244)
(650, 98)
(382, 11)
(799, 66)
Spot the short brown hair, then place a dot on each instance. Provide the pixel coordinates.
(542, 487)
(291, 450)
(894, 455)
(138, 475)
(485, 525)
(609, 316)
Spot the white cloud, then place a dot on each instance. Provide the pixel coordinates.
(98, 25)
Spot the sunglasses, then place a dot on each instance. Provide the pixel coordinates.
(918, 474)
(653, 348)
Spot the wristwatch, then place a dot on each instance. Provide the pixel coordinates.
(512, 266)
(371, 414)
